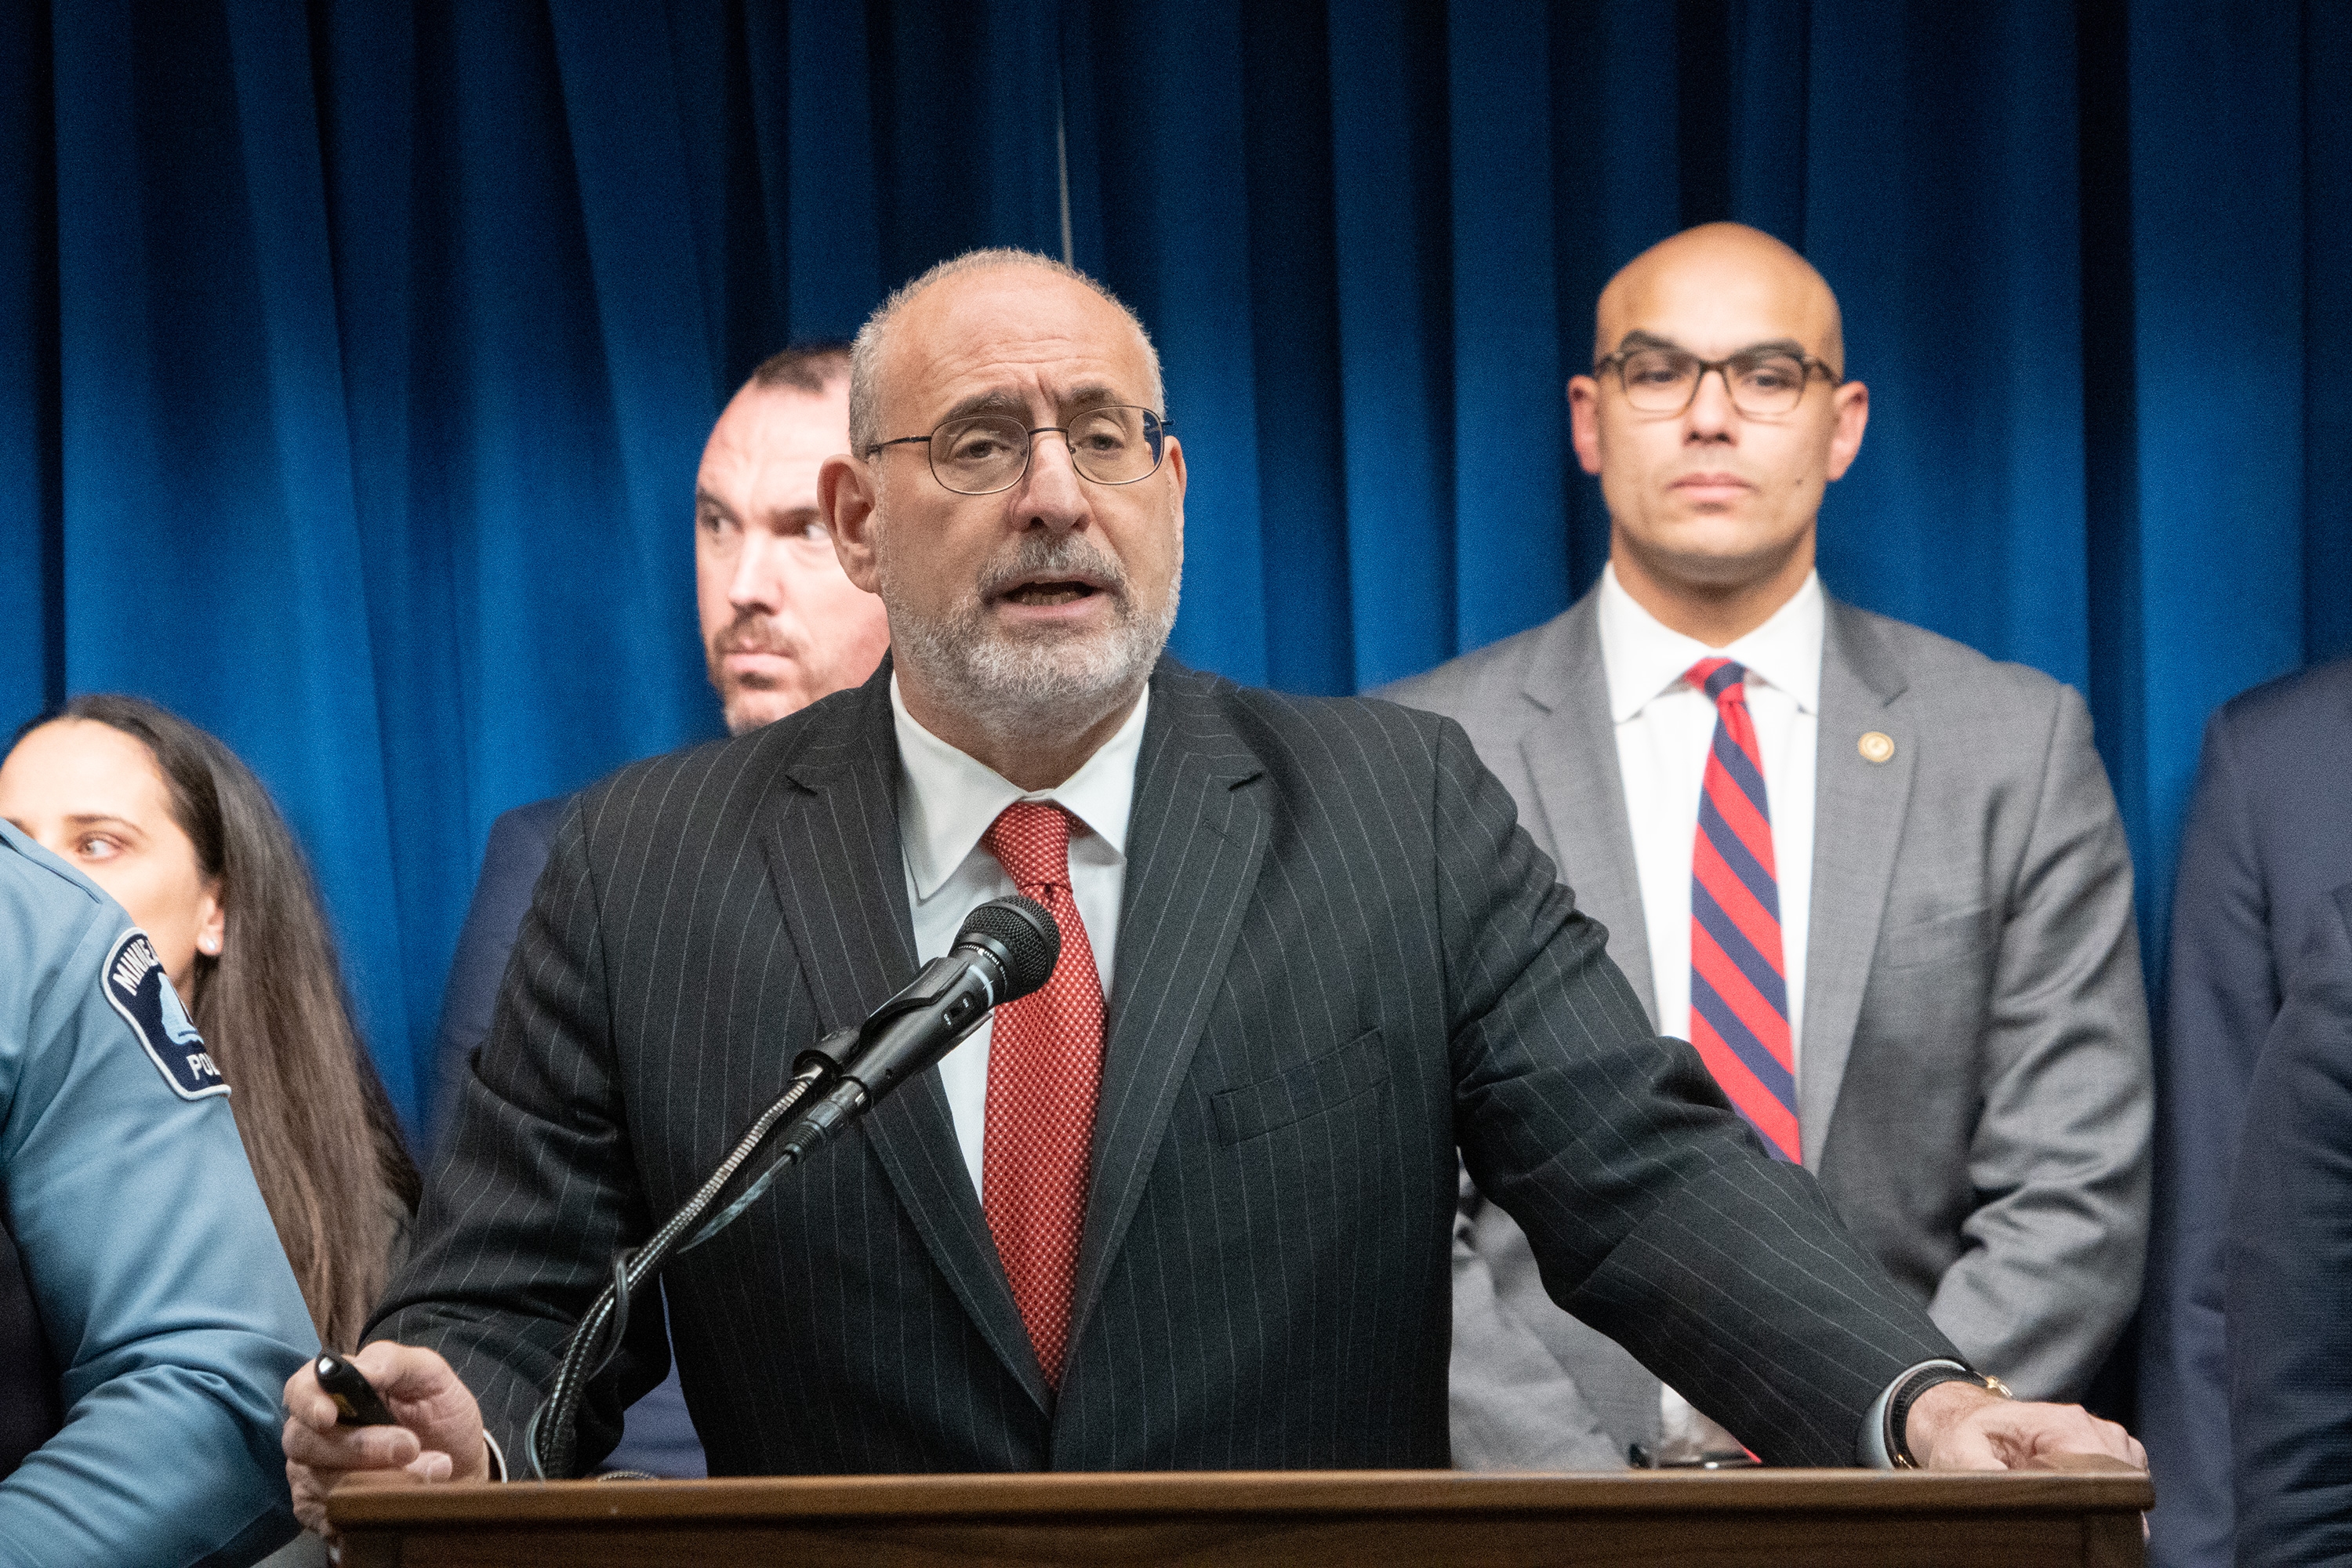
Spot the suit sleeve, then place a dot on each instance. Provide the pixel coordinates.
(511, 863)
(1513, 1406)
(1653, 1213)
(2289, 1259)
(2221, 997)
(2053, 1256)
(535, 1189)
(160, 1284)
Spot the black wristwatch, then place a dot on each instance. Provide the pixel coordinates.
(1906, 1394)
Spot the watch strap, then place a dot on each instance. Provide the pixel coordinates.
(1906, 1392)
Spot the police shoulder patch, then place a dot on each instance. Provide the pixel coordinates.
(134, 983)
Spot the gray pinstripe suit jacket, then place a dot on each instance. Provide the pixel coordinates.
(1337, 951)
(1974, 1085)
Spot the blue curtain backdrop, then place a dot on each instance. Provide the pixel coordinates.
(355, 356)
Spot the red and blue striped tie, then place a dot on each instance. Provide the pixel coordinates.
(1740, 989)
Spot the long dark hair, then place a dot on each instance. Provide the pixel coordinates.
(318, 1127)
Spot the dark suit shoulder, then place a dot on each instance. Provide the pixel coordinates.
(2288, 710)
(2270, 817)
(527, 830)
(1270, 723)
(637, 791)
(655, 799)
(1349, 765)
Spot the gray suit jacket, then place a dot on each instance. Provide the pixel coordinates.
(1974, 1085)
(1337, 954)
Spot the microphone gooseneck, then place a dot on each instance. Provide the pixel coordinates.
(1004, 950)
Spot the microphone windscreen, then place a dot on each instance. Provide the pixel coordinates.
(1027, 933)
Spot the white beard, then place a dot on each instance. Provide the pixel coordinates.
(1048, 684)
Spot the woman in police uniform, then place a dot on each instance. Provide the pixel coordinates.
(167, 819)
(147, 1258)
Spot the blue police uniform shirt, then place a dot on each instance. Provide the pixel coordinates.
(165, 1295)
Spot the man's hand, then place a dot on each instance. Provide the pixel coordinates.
(439, 1437)
(1959, 1426)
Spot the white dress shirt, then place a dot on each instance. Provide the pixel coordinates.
(1664, 727)
(946, 802)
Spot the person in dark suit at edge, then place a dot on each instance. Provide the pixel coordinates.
(782, 627)
(2289, 1267)
(1949, 1028)
(2269, 837)
(1188, 1207)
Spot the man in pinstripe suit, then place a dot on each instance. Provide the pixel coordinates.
(1321, 951)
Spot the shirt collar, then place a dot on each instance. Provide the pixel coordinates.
(1645, 658)
(951, 798)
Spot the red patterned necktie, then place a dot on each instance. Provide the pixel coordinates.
(1045, 1070)
(1740, 989)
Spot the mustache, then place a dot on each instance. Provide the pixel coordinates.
(1035, 556)
(751, 633)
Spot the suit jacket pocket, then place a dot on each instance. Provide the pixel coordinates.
(1328, 1081)
(1938, 939)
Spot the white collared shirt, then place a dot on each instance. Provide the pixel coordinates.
(946, 802)
(1664, 727)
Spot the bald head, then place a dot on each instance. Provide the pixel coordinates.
(870, 357)
(1712, 501)
(1721, 272)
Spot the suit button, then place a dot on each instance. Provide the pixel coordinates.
(1875, 747)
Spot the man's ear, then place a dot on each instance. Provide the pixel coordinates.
(1584, 421)
(1846, 435)
(846, 498)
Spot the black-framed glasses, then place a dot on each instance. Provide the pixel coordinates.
(1114, 444)
(1762, 382)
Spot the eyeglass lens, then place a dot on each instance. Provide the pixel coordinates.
(1111, 445)
(1664, 380)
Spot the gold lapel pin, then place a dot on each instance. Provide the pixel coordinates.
(1875, 747)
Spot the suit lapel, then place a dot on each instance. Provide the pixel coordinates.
(1858, 811)
(1571, 759)
(1198, 835)
(834, 858)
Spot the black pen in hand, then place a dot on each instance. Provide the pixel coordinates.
(357, 1403)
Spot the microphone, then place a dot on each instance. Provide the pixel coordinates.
(1005, 949)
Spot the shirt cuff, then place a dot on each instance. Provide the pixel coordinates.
(1875, 1451)
(498, 1460)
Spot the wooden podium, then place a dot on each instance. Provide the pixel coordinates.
(1823, 1518)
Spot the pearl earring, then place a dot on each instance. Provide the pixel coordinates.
(208, 945)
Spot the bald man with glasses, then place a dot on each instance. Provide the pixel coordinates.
(1875, 877)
